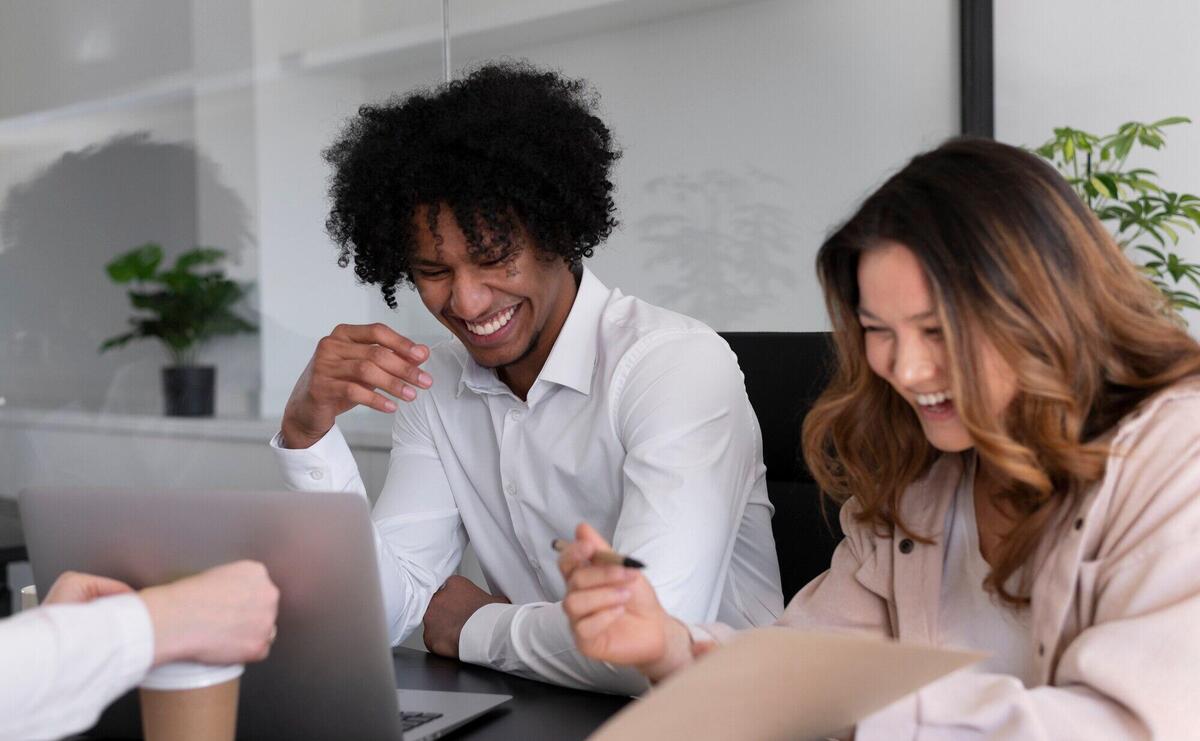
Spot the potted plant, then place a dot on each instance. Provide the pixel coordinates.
(184, 309)
(1145, 217)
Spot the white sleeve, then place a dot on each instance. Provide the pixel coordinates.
(63, 664)
(419, 537)
(691, 459)
(326, 465)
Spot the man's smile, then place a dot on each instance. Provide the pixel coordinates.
(494, 328)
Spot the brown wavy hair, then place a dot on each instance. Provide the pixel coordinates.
(1012, 254)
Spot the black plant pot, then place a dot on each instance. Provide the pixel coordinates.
(188, 390)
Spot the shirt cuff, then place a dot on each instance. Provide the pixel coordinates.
(122, 616)
(137, 631)
(475, 640)
(312, 468)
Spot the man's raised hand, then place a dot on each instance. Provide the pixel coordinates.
(356, 364)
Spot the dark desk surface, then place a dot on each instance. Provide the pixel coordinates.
(537, 710)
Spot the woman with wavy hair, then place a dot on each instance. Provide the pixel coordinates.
(1014, 430)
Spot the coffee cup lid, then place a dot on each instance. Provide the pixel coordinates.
(189, 675)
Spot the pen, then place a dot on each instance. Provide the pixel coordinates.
(605, 557)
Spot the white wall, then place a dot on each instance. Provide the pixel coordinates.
(1095, 64)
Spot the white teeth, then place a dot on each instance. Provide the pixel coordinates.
(494, 325)
(928, 400)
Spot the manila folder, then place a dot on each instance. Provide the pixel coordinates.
(782, 683)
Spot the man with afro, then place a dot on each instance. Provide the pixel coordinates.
(557, 401)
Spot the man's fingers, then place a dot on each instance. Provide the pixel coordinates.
(350, 361)
(381, 334)
(399, 366)
(369, 375)
(366, 397)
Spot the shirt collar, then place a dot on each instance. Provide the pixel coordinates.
(572, 360)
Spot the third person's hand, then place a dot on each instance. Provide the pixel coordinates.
(614, 613)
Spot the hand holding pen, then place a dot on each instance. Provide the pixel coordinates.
(615, 615)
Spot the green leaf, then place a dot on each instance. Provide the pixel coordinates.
(1122, 146)
(1152, 252)
(1110, 184)
(1171, 121)
(118, 341)
(138, 264)
(198, 256)
(1100, 186)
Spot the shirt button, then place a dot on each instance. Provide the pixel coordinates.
(906, 546)
(316, 475)
(510, 489)
(515, 415)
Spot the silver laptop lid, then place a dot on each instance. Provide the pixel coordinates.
(330, 671)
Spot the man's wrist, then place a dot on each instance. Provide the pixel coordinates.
(293, 437)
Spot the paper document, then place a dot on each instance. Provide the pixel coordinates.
(782, 683)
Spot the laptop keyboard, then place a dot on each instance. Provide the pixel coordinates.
(409, 721)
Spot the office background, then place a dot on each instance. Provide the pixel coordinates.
(749, 128)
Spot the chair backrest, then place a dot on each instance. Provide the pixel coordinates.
(785, 372)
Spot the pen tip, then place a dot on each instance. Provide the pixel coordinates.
(633, 563)
(557, 544)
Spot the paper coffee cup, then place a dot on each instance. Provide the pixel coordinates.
(186, 701)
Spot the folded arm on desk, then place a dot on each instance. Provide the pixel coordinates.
(419, 537)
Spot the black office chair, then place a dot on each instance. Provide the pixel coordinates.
(785, 372)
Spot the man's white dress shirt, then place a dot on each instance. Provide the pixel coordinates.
(61, 665)
(638, 424)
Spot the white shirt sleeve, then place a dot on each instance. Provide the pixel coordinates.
(692, 455)
(419, 536)
(63, 664)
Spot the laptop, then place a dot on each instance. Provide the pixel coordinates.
(330, 672)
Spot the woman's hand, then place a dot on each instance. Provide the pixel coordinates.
(615, 615)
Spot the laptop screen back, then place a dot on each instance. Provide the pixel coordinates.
(330, 672)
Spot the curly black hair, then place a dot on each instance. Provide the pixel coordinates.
(508, 146)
